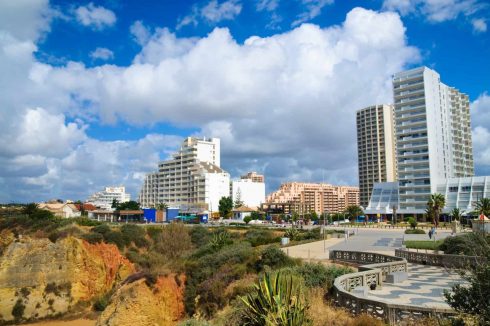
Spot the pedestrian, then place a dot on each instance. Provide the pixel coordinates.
(430, 234)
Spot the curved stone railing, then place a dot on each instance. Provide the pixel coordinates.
(442, 260)
(374, 270)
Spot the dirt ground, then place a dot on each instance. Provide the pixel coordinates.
(75, 322)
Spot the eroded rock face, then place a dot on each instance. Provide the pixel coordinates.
(138, 303)
(39, 278)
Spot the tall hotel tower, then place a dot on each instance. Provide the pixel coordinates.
(375, 148)
(191, 179)
(433, 136)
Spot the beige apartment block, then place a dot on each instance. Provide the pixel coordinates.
(376, 148)
(254, 176)
(318, 197)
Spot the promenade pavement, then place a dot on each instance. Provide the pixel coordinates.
(383, 241)
(425, 285)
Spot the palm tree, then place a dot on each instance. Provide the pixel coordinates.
(483, 206)
(435, 205)
(353, 211)
(162, 206)
(456, 214)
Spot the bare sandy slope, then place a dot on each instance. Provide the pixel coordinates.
(76, 322)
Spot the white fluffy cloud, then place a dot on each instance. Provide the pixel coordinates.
(479, 25)
(94, 16)
(283, 105)
(313, 9)
(141, 34)
(102, 54)
(437, 11)
(213, 12)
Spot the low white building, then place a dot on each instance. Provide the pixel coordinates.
(103, 199)
(384, 197)
(241, 212)
(65, 210)
(462, 193)
(249, 192)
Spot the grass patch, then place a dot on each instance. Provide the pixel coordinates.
(414, 231)
(424, 244)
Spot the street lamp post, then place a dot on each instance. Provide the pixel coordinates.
(324, 244)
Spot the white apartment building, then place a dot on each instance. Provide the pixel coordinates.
(375, 147)
(148, 195)
(432, 124)
(462, 193)
(103, 199)
(191, 178)
(249, 192)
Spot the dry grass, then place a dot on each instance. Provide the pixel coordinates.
(323, 314)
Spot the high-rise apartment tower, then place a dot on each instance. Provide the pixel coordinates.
(375, 148)
(432, 125)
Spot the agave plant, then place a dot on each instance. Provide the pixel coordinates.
(277, 300)
(291, 233)
(220, 239)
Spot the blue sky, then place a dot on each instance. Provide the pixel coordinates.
(96, 92)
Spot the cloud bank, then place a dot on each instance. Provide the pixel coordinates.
(283, 105)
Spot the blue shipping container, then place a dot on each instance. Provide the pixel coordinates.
(203, 218)
(150, 214)
(172, 214)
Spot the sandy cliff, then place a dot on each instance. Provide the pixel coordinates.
(138, 303)
(39, 278)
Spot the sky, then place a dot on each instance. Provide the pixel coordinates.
(95, 93)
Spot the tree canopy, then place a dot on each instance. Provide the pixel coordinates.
(434, 207)
(353, 211)
(225, 206)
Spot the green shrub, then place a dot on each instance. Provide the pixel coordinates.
(413, 222)
(133, 233)
(414, 231)
(274, 258)
(210, 271)
(154, 232)
(291, 233)
(424, 244)
(247, 219)
(101, 303)
(83, 221)
(199, 235)
(276, 300)
(467, 244)
(259, 237)
(174, 241)
(220, 239)
(18, 310)
(93, 237)
(116, 238)
(319, 275)
(102, 229)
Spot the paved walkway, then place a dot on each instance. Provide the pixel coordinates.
(383, 241)
(425, 285)
(424, 288)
